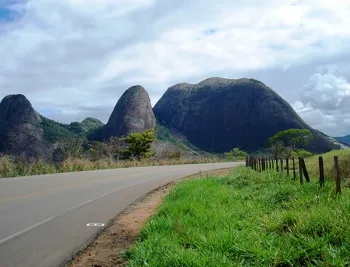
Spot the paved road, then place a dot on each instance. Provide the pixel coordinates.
(43, 218)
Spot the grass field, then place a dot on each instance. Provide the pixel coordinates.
(247, 219)
(328, 158)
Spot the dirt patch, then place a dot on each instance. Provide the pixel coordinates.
(106, 250)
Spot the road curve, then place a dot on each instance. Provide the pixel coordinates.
(43, 219)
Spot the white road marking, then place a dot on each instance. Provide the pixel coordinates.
(4, 240)
(96, 224)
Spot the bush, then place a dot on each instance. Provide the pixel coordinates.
(236, 154)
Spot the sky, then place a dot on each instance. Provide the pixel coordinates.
(74, 58)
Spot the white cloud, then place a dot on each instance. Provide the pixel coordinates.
(327, 92)
(325, 103)
(81, 55)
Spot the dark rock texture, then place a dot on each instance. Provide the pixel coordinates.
(133, 113)
(219, 114)
(20, 131)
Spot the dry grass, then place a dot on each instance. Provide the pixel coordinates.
(9, 167)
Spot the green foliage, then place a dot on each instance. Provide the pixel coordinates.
(69, 148)
(294, 138)
(278, 150)
(55, 131)
(139, 145)
(86, 126)
(247, 219)
(104, 150)
(236, 154)
(301, 153)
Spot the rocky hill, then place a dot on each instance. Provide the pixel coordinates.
(133, 113)
(343, 139)
(219, 114)
(20, 130)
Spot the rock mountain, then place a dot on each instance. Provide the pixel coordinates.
(219, 114)
(20, 130)
(214, 115)
(133, 113)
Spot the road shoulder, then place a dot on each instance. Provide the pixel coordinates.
(122, 232)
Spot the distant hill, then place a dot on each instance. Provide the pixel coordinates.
(55, 131)
(344, 139)
(219, 114)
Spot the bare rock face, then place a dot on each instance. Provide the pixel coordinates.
(220, 114)
(133, 113)
(20, 131)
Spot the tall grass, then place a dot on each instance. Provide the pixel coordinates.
(247, 219)
(328, 158)
(9, 167)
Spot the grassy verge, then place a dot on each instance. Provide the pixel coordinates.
(247, 219)
(328, 158)
(12, 168)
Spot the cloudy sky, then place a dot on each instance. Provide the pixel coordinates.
(74, 58)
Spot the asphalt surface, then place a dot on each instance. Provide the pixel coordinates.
(43, 219)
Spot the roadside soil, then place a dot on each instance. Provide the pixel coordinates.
(121, 233)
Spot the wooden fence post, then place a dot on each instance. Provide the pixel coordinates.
(263, 164)
(321, 168)
(337, 175)
(306, 174)
(287, 165)
(294, 174)
(246, 161)
(260, 167)
(281, 160)
(300, 171)
(255, 164)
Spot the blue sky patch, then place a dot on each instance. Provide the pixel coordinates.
(5, 14)
(8, 14)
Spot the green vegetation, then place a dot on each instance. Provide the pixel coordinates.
(328, 158)
(55, 131)
(289, 143)
(11, 167)
(164, 134)
(236, 154)
(86, 126)
(247, 219)
(293, 138)
(139, 145)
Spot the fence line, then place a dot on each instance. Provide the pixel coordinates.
(262, 164)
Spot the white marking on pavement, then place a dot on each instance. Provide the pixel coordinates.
(96, 224)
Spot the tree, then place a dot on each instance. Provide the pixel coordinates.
(293, 138)
(139, 145)
(236, 154)
(278, 149)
